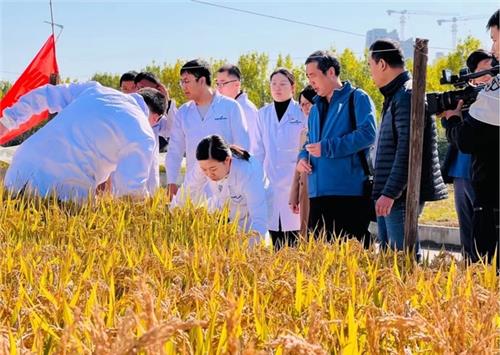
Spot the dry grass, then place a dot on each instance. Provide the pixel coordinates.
(126, 278)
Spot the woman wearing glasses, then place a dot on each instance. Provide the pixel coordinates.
(279, 126)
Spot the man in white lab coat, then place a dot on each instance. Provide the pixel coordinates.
(228, 83)
(206, 113)
(99, 131)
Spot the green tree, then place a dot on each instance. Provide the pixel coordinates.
(254, 71)
(4, 87)
(107, 79)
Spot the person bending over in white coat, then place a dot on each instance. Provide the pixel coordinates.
(99, 131)
(237, 179)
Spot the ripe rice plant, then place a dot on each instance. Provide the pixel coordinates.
(121, 277)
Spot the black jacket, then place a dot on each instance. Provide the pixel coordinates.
(391, 162)
(482, 141)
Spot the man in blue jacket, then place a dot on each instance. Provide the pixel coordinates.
(334, 152)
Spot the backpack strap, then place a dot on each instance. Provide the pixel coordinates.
(352, 118)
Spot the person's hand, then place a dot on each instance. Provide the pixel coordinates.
(172, 190)
(304, 167)
(456, 112)
(383, 206)
(3, 129)
(314, 149)
(294, 207)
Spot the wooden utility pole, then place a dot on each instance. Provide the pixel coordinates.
(417, 125)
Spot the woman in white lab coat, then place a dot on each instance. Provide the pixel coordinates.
(279, 126)
(236, 178)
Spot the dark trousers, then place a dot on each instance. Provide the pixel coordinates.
(341, 216)
(485, 232)
(464, 198)
(281, 238)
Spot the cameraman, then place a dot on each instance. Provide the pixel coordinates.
(457, 166)
(478, 135)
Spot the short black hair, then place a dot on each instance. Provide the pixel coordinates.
(493, 21)
(285, 72)
(325, 61)
(199, 68)
(145, 75)
(388, 50)
(230, 69)
(475, 57)
(154, 99)
(308, 93)
(128, 76)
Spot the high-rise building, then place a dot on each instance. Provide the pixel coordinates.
(382, 33)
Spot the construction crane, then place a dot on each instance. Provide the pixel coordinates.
(454, 25)
(404, 14)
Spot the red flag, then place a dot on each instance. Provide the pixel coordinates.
(35, 75)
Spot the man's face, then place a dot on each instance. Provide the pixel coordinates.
(191, 86)
(153, 118)
(377, 72)
(128, 87)
(144, 83)
(495, 48)
(322, 83)
(227, 85)
(482, 65)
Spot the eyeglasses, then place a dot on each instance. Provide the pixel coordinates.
(184, 82)
(221, 85)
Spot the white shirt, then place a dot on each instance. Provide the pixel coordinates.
(98, 131)
(277, 148)
(487, 106)
(251, 115)
(244, 188)
(225, 117)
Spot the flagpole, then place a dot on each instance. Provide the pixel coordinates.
(51, 17)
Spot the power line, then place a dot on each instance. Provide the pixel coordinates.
(278, 18)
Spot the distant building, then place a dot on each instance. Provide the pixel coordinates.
(439, 55)
(382, 33)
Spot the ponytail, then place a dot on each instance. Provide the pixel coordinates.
(214, 147)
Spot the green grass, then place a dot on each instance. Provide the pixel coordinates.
(442, 212)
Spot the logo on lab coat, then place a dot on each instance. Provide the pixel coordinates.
(220, 118)
(236, 198)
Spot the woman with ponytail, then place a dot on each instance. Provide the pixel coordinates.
(238, 179)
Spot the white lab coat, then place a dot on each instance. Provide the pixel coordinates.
(225, 117)
(245, 189)
(251, 115)
(277, 148)
(98, 131)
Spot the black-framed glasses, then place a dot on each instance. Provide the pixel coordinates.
(221, 85)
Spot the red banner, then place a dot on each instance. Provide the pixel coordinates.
(35, 75)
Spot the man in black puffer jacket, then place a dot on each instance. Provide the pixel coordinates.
(392, 146)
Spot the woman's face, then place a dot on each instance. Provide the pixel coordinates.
(281, 88)
(215, 170)
(305, 105)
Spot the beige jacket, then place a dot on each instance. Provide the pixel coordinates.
(299, 192)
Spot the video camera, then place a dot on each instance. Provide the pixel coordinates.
(438, 102)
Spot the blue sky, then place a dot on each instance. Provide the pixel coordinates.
(115, 36)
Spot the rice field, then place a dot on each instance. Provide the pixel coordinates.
(122, 277)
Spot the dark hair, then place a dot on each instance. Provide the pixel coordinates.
(231, 69)
(214, 147)
(475, 57)
(199, 68)
(285, 72)
(147, 76)
(154, 99)
(308, 93)
(493, 21)
(389, 51)
(128, 76)
(325, 61)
